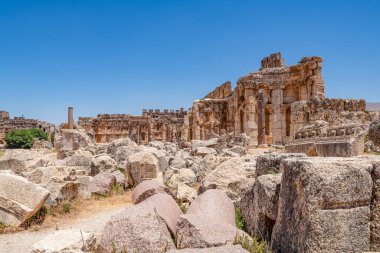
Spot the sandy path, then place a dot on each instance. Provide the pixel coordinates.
(92, 217)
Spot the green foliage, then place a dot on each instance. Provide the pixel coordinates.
(252, 245)
(24, 138)
(114, 250)
(239, 220)
(3, 225)
(52, 137)
(117, 189)
(66, 207)
(38, 134)
(182, 205)
(38, 218)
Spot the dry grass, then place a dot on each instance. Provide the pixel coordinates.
(83, 208)
(1, 153)
(69, 212)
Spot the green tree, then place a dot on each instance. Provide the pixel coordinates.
(24, 138)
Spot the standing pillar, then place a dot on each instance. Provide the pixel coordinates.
(70, 119)
(149, 137)
(261, 119)
(138, 134)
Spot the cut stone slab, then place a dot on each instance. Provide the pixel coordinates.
(221, 249)
(120, 178)
(186, 193)
(65, 241)
(167, 208)
(271, 163)
(324, 206)
(102, 183)
(203, 151)
(232, 177)
(102, 163)
(259, 206)
(215, 205)
(199, 231)
(19, 199)
(137, 229)
(148, 188)
(142, 166)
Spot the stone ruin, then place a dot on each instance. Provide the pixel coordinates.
(8, 124)
(282, 105)
(152, 125)
(277, 105)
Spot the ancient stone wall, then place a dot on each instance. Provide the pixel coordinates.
(222, 91)
(260, 105)
(151, 125)
(273, 61)
(7, 125)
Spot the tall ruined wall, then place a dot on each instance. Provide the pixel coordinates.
(151, 126)
(207, 118)
(221, 92)
(328, 111)
(17, 123)
(270, 105)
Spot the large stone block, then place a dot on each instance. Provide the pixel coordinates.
(200, 231)
(167, 208)
(68, 240)
(374, 132)
(147, 189)
(19, 199)
(215, 205)
(259, 206)
(221, 249)
(271, 164)
(323, 206)
(137, 229)
(142, 166)
(232, 177)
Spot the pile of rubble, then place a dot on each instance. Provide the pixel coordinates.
(293, 202)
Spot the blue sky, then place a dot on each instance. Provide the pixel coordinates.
(103, 56)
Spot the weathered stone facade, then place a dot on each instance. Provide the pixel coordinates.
(279, 104)
(7, 125)
(152, 125)
(273, 105)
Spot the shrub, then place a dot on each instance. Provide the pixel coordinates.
(3, 225)
(38, 134)
(66, 207)
(117, 189)
(252, 245)
(239, 220)
(24, 138)
(36, 219)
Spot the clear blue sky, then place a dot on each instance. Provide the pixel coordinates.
(123, 56)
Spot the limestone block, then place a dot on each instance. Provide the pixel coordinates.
(19, 199)
(323, 206)
(68, 240)
(142, 166)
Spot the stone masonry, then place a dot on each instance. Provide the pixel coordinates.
(8, 124)
(152, 125)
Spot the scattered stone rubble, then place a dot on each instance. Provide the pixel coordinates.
(294, 201)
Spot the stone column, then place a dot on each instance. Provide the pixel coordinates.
(277, 98)
(70, 119)
(261, 119)
(250, 116)
(138, 134)
(149, 133)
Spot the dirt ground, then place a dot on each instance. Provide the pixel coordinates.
(87, 215)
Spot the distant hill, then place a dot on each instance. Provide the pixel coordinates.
(372, 107)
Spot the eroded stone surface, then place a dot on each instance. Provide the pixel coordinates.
(19, 199)
(324, 204)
